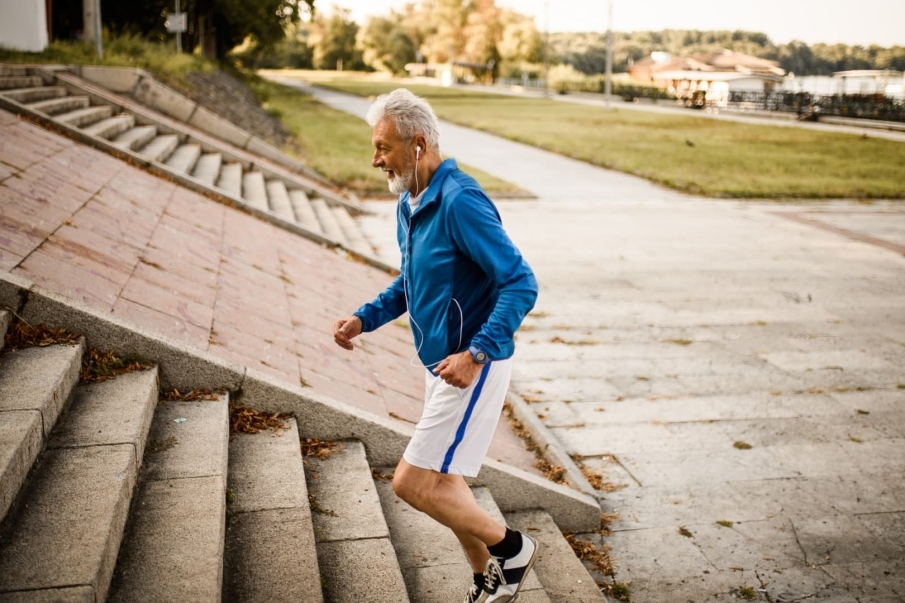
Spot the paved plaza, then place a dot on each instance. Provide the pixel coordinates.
(735, 370)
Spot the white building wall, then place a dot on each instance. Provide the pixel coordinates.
(748, 84)
(23, 25)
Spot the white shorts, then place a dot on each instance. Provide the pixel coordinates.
(457, 425)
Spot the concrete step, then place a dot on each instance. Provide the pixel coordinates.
(270, 550)
(35, 385)
(278, 200)
(13, 70)
(85, 117)
(55, 106)
(6, 319)
(207, 170)
(113, 126)
(433, 562)
(160, 148)
(351, 231)
(327, 219)
(304, 213)
(68, 531)
(184, 158)
(561, 573)
(31, 95)
(356, 558)
(254, 191)
(532, 591)
(173, 546)
(136, 138)
(20, 81)
(231, 179)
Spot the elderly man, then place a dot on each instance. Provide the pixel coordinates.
(466, 289)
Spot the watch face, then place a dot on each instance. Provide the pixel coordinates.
(480, 358)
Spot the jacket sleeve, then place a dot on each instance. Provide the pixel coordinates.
(479, 234)
(387, 306)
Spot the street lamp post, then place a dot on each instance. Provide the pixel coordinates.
(546, 46)
(609, 55)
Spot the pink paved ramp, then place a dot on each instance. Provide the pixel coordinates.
(96, 229)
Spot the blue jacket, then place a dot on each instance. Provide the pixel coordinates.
(454, 248)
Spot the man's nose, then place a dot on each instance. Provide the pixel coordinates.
(376, 160)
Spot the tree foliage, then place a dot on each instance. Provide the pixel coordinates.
(333, 41)
(261, 22)
(587, 51)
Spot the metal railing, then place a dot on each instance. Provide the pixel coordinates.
(810, 106)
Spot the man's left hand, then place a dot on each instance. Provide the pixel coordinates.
(459, 370)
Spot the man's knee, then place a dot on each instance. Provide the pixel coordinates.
(412, 485)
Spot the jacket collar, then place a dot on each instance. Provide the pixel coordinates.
(433, 189)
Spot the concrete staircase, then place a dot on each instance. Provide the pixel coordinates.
(111, 492)
(169, 134)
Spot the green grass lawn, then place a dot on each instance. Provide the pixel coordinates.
(338, 145)
(727, 159)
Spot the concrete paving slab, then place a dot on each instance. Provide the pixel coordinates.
(40, 379)
(187, 440)
(117, 411)
(346, 505)
(871, 582)
(819, 537)
(69, 532)
(173, 548)
(360, 570)
(270, 556)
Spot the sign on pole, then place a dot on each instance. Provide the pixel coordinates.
(175, 22)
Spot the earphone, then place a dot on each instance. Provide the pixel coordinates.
(417, 152)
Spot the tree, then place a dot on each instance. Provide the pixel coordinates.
(333, 40)
(225, 23)
(385, 44)
(519, 41)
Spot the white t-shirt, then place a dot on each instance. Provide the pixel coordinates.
(414, 202)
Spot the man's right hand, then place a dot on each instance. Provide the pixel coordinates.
(345, 330)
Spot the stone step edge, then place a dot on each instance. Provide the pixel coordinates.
(190, 182)
(184, 367)
(550, 447)
(557, 565)
(269, 535)
(169, 102)
(178, 507)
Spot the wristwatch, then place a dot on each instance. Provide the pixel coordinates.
(479, 355)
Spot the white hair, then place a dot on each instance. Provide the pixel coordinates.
(412, 115)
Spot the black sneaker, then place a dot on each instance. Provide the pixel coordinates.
(504, 577)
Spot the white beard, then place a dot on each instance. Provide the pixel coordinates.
(402, 182)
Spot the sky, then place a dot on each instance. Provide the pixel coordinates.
(862, 22)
